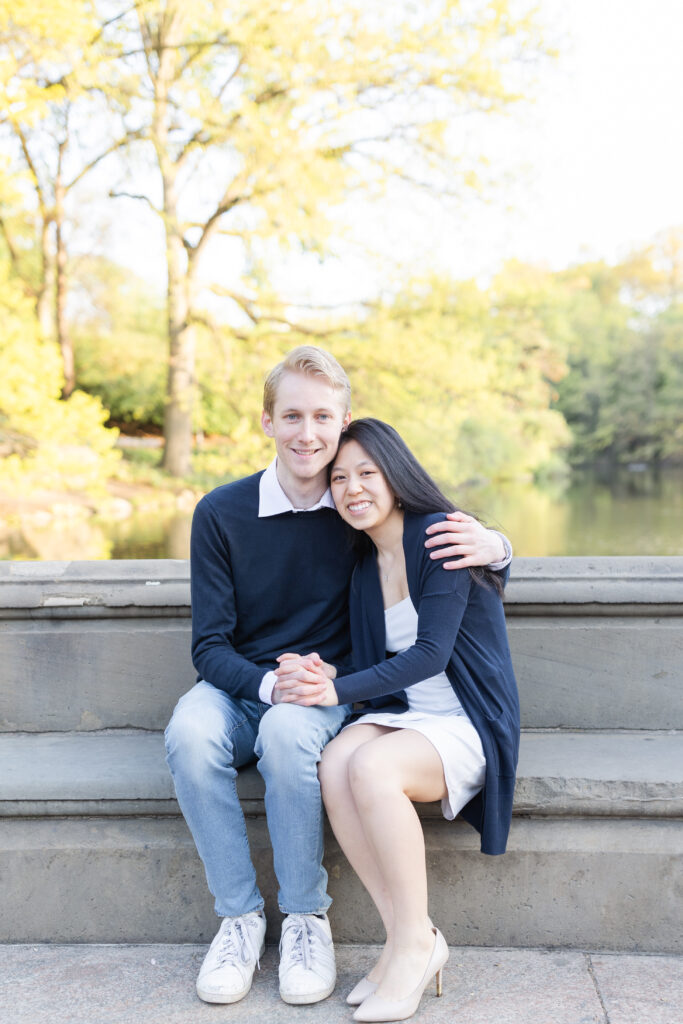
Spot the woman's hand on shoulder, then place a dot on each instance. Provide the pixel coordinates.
(465, 538)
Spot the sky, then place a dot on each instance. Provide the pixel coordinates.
(606, 133)
(594, 168)
(595, 163)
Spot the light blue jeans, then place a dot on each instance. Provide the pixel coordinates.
(209, 737)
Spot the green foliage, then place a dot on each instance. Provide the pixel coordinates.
(466, 376)
(481, 381)
(624, 393)
(121, 343)
(463, 376)
(47, 444)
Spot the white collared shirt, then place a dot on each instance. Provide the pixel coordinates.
(272, 500)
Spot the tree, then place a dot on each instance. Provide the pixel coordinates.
(466, 374)
(623, 394)
(257, 117)
(58, 130)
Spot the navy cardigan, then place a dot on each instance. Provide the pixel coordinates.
(461, 629)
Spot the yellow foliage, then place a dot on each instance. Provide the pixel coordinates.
(48, 444)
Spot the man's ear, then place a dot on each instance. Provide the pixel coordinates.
(346, 421)
(267, 424)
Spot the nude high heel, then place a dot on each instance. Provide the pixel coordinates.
(362, 990)
(375, 1008)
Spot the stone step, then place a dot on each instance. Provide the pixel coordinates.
(575, 672)
(92, 848)
(91, 833)
(600, 883)
(627, 774)
(596, 643)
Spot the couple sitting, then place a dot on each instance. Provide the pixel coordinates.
(279, 596)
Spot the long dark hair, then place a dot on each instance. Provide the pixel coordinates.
(411, 485)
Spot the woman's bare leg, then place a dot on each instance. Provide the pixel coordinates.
(347, 825)
(386, 774)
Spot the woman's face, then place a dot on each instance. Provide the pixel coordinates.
(360, 491)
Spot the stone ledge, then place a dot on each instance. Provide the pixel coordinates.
(161, 586)
(122, 772)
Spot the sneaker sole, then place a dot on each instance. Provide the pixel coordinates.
(301, 999)
(208, 996)
(219, 997)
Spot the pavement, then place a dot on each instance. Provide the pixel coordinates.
(154, 984)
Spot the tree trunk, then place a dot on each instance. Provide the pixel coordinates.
(164, 64)
(63, 337)
(45, 294)
(180, 390)
(181, 385)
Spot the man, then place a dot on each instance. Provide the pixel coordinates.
(270, 573)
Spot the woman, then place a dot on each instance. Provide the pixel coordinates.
(441, 715)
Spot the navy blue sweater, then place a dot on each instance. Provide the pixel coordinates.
(461, 629)
(264, 586)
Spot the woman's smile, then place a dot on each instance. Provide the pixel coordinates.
(360, 490)
(358, 507)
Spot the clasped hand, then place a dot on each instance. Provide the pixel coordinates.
(305, 680)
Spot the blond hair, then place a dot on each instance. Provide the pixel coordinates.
(315, 362)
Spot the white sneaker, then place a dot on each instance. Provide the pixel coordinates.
(307, 971)
(225, 976)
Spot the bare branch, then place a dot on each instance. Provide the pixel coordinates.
(231, 77)
(133, 195)
(314, 332)
(210, 225)
(244, 304)
(162, 48)
(111, 21)
(259, 316)
(14, 256)
(199, 46)
(119, 144)
(31, 166)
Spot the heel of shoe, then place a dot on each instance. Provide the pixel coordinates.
(439, 988)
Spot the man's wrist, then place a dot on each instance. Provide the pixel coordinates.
(507, 548)
(265, 690)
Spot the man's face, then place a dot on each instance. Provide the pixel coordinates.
(308, 417)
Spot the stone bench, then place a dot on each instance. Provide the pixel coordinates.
(123, 772)
(92, 846)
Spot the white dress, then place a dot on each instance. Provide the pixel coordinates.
(435, 711)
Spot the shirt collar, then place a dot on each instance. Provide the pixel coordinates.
(273, 500)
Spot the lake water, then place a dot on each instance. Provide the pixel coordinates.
(627, 512)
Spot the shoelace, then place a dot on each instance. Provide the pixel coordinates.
(301, 934)
(237, 940)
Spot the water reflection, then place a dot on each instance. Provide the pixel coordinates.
(594, 513)
(152, 536)
(46, 539)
